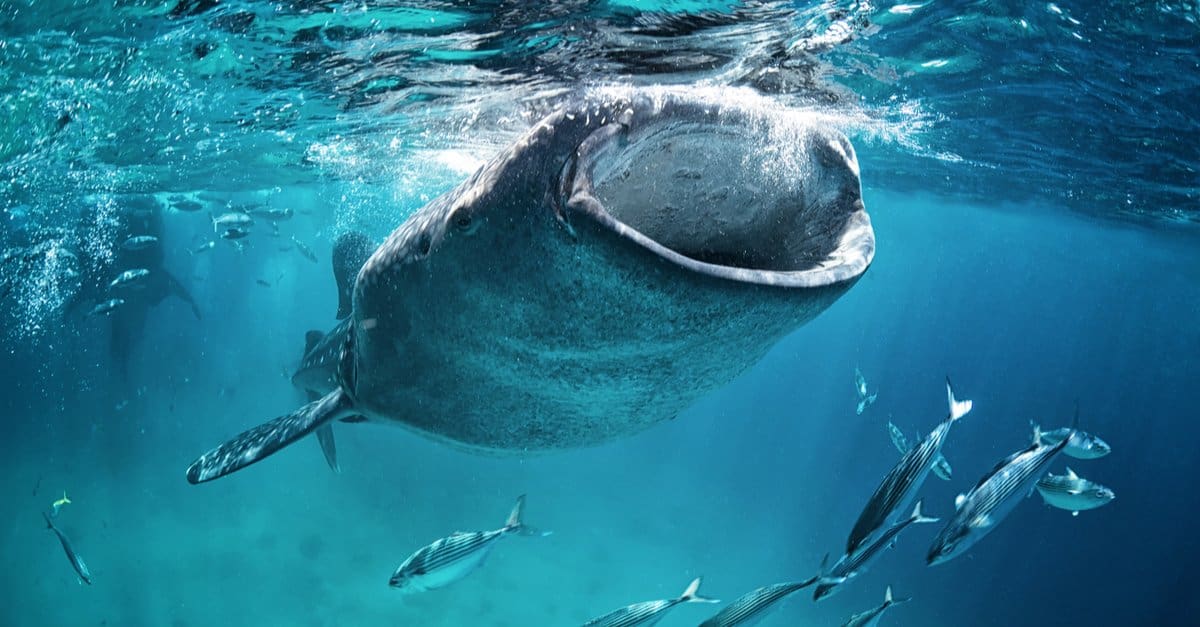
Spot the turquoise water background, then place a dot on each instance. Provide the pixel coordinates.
(1026, 308)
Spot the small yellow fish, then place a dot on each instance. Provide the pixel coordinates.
(59, 503)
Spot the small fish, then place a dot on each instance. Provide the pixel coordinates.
(941, 467)
(57, 505)
(76, 561)
(753, 606)
(274, 214)
(106, 307)
(139, 242)
(449, 559)
(649, 612)
(130, 278)
(853, 564)
(205, 247)
(262, 282)
(860, 385)
(870, 618)
(234, 233)
(232, 220)
(304, 250)
(186, 205)
(979, 511)
(1073, 493)
(900, 485)
(1082, 445)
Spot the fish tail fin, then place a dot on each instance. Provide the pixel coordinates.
(958, 408)
(889, 600)
(918, 518)
(268, 438)
(692, 594)
(1037, 432)
(514, 517)
(516, 521)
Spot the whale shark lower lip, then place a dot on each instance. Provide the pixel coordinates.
(624, 257)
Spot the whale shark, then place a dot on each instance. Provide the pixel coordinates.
(632, 251)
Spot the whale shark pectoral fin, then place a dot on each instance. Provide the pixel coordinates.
(262, 441)
(328, 446)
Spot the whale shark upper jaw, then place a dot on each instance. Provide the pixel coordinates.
(753, 196)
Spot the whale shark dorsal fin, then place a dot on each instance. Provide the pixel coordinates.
(311, 339)
(959, 500)
(1037, 433)
(1071, 474)
(258, 443)
(350, 252)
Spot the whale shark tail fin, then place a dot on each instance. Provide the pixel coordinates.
(266, 439)
(350, 252)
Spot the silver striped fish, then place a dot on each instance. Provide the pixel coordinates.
(900, 485)
(871, 617)
(649, 612)
(1072, 492)
(752, 607)
(941, 467)
(449, 559)
(77, 562)
(855, 563)
(993, 498)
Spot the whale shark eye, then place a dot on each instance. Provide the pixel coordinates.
(465, 223)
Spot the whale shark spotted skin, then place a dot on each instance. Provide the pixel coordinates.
(629, 253)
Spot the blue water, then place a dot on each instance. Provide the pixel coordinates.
(1040, 249)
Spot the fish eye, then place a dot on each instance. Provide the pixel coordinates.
(947, 548)
(464, 223)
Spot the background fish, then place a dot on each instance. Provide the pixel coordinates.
(76, 561)
(852, 564)
(449, 559)
(649, 612)
(941, 467)
(900, 485)
(1073, 493)
(752, 607)
(1082, 445)
(139, 242)
(870, 618)
(992, 499)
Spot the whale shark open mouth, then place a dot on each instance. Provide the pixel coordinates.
(751, 196)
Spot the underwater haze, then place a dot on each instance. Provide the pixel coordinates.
(1033, 183)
